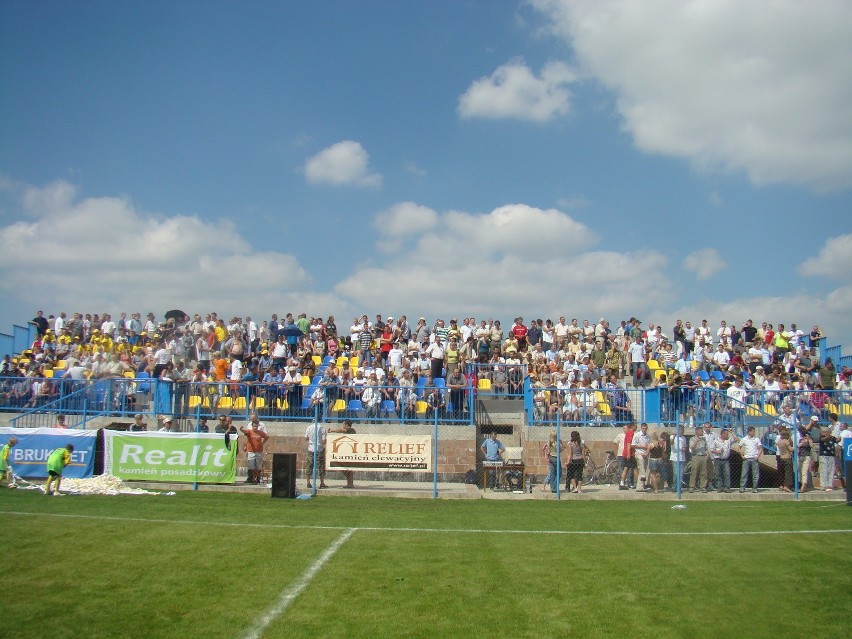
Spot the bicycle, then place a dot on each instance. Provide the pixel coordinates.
(606, 473)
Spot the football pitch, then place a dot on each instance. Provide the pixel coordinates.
(234, 565)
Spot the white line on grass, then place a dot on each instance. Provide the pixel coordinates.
(477, 531)
(289, 594)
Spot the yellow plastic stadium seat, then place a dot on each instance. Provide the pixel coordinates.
(695, 364)
(769, 409)
(847, 409)
(420, 407)
(47, 372)
(484, 384)
(306, 380)
(317, 360)
(225, 402)
(832, 408)
(342, 360)
(654, 365)
(194, 400)
(604, 409)
(599, 397)
(339, 405)
(282, 404)
(61, 365)
(259, 402)
(660, 374)
(240, 402)
(130, 374)
(753, 410)
(354, 361)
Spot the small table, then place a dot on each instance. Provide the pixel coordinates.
(501, 468)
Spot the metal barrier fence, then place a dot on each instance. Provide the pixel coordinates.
(419, 402)
(587, 406)
(124, 397)
(498, 380)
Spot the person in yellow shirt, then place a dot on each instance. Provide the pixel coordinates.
(6, 471)
(56, 463)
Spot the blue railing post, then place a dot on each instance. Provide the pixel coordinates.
(435, 460)
(559, 454)
(316, 434)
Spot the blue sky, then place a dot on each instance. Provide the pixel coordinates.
(661, 159)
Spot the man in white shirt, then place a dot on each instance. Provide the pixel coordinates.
(560, 331)
(678, 454)
(737, 395)
(750, 448)
(395, 355)
(721, 358)
(640, 444)
(316, 435)
(720, 451)
(108, 326)
(253, 338)
(724, 331)
(637, 359)
(236, 369)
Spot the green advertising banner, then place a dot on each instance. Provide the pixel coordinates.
(172, 457)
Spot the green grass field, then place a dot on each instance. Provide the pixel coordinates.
(226, 565)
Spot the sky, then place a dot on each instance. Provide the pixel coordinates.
(660, 159)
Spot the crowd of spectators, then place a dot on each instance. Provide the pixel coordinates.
(386, 358)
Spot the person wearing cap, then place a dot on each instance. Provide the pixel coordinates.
(421, 332)
(751, 449)
(292, 381)
(168, 424)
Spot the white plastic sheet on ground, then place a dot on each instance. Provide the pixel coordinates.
(99, 485)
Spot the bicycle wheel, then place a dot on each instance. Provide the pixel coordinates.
(589, 473)
(610, 473)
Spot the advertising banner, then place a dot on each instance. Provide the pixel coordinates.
(393, 453)
(29, 456)
(170, 457)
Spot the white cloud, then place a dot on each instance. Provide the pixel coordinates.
(401, 221)
(705, 263)
(834, 260)
(344, 163)
(513, 91)
(413, 169)
(510, 230)
(741, 86)
(513, 259)
(102, 254)
(831, 313)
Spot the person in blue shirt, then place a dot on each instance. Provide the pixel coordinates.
(493, 448)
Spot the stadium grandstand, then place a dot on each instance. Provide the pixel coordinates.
(96, 370)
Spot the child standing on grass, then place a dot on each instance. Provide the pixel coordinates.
(56, 463)
(6, 471)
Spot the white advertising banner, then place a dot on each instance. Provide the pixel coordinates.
(386, 453)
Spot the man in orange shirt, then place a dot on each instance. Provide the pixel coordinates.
(256, 437)
(220, 375)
